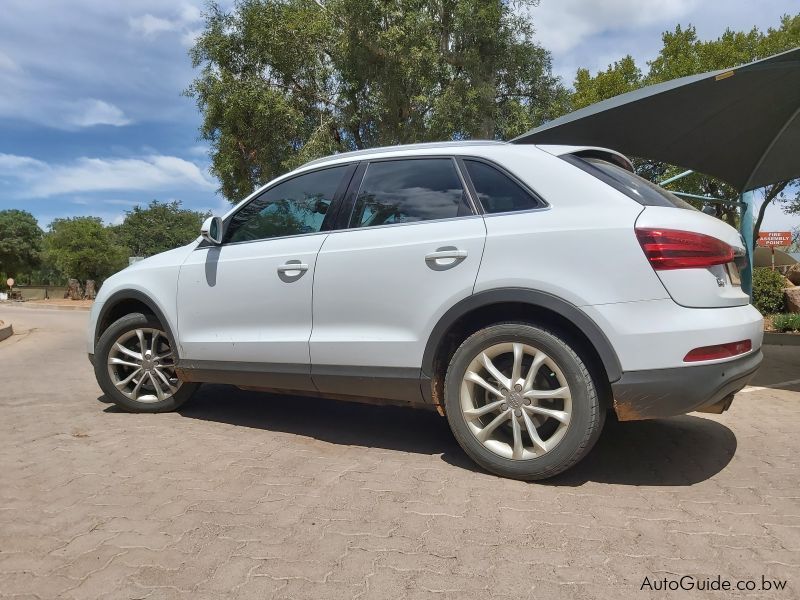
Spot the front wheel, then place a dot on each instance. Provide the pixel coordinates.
(135, 366)
(521, 402)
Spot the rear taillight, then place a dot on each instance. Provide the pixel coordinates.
(671, 249)
(718, 351)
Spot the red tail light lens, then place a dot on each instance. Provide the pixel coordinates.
(718, 351)
(671, 249)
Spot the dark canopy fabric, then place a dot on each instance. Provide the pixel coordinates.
(741, 125)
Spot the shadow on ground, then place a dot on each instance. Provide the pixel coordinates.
(667, 452)
(779, 369)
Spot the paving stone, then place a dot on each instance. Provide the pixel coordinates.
(243, 495)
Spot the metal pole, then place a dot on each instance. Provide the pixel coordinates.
(675, 178)
(746, 229)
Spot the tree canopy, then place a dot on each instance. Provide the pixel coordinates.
(83, 248)
(158, 227)
(20, 242)
(682, 54)
(285, 81)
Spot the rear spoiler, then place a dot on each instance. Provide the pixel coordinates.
(605, 154)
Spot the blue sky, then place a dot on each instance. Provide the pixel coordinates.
(92, 120)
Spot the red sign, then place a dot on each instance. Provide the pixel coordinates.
(774, 238)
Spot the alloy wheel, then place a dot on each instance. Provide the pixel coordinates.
(516, 401)
(141, 365)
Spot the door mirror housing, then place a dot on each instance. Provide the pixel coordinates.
(211, 231)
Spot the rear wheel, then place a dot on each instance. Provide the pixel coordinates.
(521, 402)
(135, 366)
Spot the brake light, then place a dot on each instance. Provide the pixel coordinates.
(718, 351)
(671, 249)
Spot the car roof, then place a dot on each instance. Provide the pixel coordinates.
(403, 148)
(481, 147)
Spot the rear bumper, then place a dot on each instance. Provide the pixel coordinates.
(656, 393)
(657, 334)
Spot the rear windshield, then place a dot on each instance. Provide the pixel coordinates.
(630, 184)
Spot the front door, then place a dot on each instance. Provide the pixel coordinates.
(244, 307)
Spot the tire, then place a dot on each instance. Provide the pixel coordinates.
(561, 402)
(147, 398)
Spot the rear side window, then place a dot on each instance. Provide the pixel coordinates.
(497, 192)
(408, 191)
(630, 184)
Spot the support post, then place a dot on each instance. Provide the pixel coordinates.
(746, 229)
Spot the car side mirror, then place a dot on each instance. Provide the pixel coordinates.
(211, 231)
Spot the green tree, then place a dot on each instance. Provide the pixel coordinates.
(621, 77)
(682, 54)
(158, 227)
(83, 248)
(284, 81)
(20, 242)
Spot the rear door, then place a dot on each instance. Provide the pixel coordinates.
(411, 250)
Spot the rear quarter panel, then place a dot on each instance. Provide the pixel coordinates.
(582, 248)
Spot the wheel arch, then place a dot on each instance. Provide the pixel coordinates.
(479, 310)
(124, 302)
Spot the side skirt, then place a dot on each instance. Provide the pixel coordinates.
(373, 385)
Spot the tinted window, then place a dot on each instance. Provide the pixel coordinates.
(290, 208)
(498, 192)
(405, 191)
(630, 184)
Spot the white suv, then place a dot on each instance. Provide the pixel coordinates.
(521, 291)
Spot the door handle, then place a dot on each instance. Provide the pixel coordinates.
(443, 253)
(445, 258)
(292, 266)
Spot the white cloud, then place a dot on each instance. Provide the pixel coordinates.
(130, 55)
(199, 150)
(90, 112)
(149, 25)
(7, 63)
(190, 36)
(190, 13)
(38, 179)
(563, 24)
(11, 164)
(593, 34)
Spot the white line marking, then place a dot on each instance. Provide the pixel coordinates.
(752, 388)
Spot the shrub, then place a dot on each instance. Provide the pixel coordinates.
(767, 290)
(786, 322)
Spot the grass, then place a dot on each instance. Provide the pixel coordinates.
(788, 322)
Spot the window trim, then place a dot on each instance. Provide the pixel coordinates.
(543, 204)
(327, 224)
(349, 204)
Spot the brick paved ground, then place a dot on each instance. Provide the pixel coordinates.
(251, 496)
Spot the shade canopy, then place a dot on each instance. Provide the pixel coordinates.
(741, 125)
